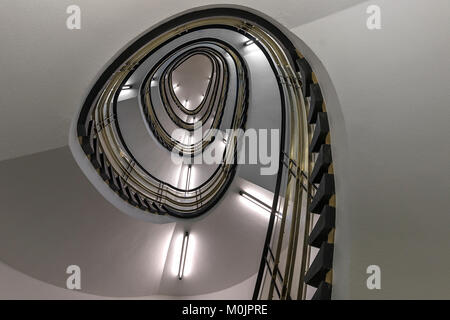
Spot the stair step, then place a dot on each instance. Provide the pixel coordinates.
(316, 102)
(94, 157)
(112, 181)
(155, 207)
(323, 193)
(86, 141)
(320, 266)
(103, 168)
(147, 203)
(163, 208)
(139, 202)
(320, 132)
(306, 75)
(122, 193)
(323, 292)
(323, 226)
(130, 195)
(323, 161)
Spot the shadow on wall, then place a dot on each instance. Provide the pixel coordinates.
(52, 217)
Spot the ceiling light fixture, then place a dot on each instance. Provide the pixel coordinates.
(259, 203)
(188, 176)
(183, 255)
(249, 42)
(126, 87)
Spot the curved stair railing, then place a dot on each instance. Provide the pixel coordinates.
(216, 98)
(101, 140)
(308, 201)
(304, 198)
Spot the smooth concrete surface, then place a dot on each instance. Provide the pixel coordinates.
(16, 285)
(389, 134)
(52, 217)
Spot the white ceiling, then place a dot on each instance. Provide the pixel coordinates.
(47, 69)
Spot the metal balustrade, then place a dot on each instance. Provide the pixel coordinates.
(304, 189)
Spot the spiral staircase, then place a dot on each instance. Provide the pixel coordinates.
(132, 201)
(305, 184)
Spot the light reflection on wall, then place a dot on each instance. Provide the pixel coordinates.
(177, 252)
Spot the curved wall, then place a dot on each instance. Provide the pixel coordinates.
(52, 217)
(390, 145)
(16, 285)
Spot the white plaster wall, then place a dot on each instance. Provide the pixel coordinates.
(390, 131)
(16, 285)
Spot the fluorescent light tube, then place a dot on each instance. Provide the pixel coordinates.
(183, 255)
(259, 203)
